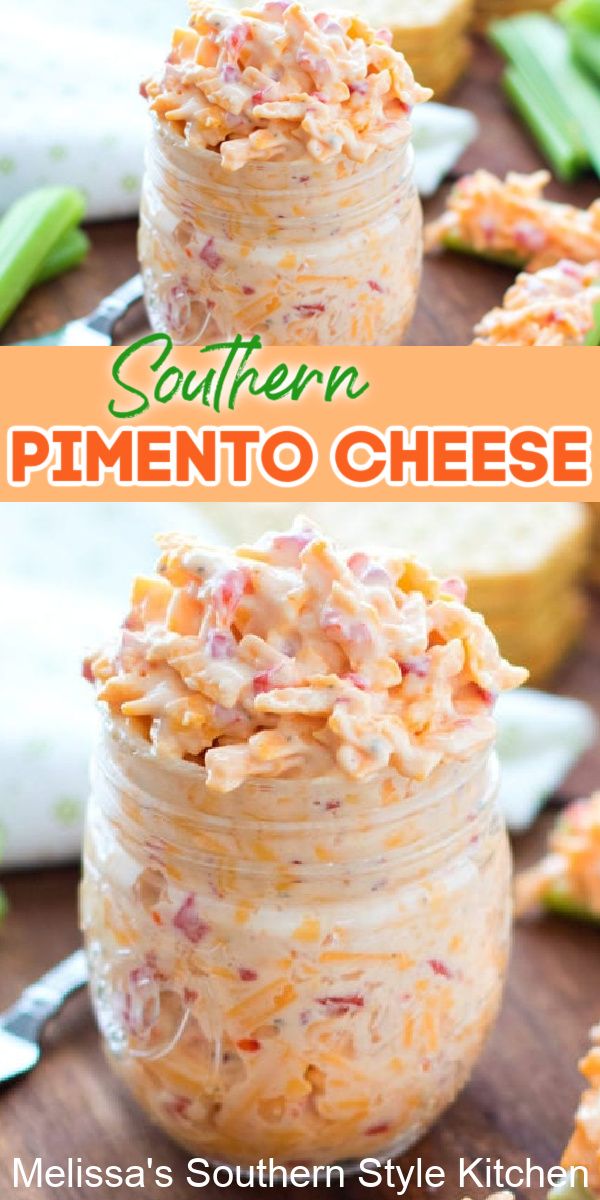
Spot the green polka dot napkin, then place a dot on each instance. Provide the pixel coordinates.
(66, 574)
(72, 70)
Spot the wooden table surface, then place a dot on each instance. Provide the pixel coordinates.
(520, 1102)
(455, 292)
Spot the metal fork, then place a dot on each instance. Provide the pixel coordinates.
(21, 1027)
(97, 328)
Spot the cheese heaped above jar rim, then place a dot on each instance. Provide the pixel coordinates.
(293, 657)
(278, 81)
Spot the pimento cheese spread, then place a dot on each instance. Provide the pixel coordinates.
(551, 307)
(568, 877)
(511, 219)
(277, 81)
(583, 1149)
(279, 198)
(292, 657)
(296, 886)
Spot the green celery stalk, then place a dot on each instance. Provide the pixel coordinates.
(568, 1191)
(511, 38)
(560, 903)
(68, 252)
(28, 231)
(553, 139)
(593, 337)
(585, 47)
(580, 12)
(505, 258)
(539, 46)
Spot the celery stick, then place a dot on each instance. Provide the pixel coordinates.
(68, 252)
(585, 46)
(526, 50)
(570, 1191)
(28, 231)
(593, 337)
(582, 12)
(505, 258)
(538, 44)
(557, 902)
(555, 145)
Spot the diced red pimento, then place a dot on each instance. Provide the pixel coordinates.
(289, 546)
(339, 1006)
(247, 974)
(374, 1130)
(309, 310)
(140, 976)
(86, 670)
(358, 681)
(374, 285)
(264, 680)
(177, 1106)
(335, 623)
(276, 8)
(488, 226)
(456, 587)
(249, 1045)
(234, 584)
(417, 665)
(210, 255)
(377, 575)
(358, 563)
(529, 236)
(441, 968)
(188, 920)
(220, 645)
(238, 36)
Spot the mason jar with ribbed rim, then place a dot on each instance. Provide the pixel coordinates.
(299, 252)
(302, 970)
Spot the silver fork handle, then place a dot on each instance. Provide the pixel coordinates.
(110, 310)
(43, 999)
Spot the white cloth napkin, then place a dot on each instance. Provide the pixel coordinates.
(540, 737)
(70, 112)
(66, 576)
(440, 135)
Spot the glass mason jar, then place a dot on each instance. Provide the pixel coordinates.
(301, 970)
(298, 252)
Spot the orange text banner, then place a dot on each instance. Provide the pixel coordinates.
(239, 422)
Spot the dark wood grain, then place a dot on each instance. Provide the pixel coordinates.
(519, 1103)
(455, 292)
